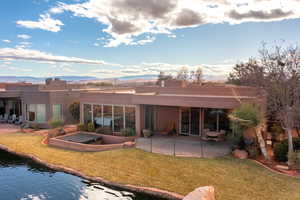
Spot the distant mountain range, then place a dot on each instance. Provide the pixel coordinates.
(31, 79)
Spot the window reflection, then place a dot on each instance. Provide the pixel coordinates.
(107, 116)
(97, 111)
(130, 117)
(118, 118)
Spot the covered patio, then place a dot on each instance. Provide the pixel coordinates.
(184, 146)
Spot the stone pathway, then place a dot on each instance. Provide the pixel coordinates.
(181, 146)
(9, 128)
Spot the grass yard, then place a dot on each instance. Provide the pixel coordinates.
(232, 178)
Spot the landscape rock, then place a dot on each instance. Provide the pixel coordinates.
(202, 193)
(241, 154)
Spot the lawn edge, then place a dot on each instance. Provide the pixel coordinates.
(133, 188)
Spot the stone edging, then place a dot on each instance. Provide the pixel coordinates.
(273, 170)
(133, 188)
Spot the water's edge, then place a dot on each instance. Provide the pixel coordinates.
(133, 188)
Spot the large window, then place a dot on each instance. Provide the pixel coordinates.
(107, 116)
(97, 111)
(57, 112)
(216, 119)
(130, 117)
(118, 118)
(36, 113)
(87, 113)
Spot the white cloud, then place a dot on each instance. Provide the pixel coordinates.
(45, 22)
(19, 69)
(172, 36)
(6, 41)
(35, 55)
(210, 72)
(126, 20)
(148, 39)
(65, 67)
(24, 36)
(23, 45)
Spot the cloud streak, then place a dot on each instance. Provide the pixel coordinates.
(35, 55)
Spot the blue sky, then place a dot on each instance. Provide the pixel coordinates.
(114, 38)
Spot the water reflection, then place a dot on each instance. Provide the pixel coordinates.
(23, 179)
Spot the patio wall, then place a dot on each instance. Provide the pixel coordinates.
(165, 117)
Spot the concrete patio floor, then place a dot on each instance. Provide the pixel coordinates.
(9, 128)
(188, 146)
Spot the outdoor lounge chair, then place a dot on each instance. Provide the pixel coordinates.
(19, 121)
(12, 119)
(4, 119)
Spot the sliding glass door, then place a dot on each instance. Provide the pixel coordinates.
(185, 121)
(195, 121)
(190, 121)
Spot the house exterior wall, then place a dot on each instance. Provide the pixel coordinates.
(166, 100)
(166, 116)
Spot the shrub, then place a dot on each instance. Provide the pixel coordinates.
(104, 130)
(82, 127)
(294, 160)
(281, 149)
(253, 151)
(147, 133)
(74, 109)
(280, 152)
(91, 127)
(56, 123)
(35, 126)
(128, 132)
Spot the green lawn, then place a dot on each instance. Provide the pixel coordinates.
(232, 178)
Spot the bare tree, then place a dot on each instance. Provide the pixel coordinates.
(277, 71)
(282, 83)
(249, 73)
(183, 74)
(196, 76)
(163, 77)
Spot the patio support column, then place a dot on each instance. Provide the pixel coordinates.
(138, 117)
(81, 113)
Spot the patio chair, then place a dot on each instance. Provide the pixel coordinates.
(4, 119)
(204, 136)
(12, 119)
(19, 121)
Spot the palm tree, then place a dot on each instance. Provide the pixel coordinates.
(250, 116)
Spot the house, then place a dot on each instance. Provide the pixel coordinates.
(178, 106)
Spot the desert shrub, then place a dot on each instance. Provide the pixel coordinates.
(147, 133)
(82, 127)
(281, 149)
(104, 130)
(91, 127)
(280, 152)
(56, 123)
(294, 159)
(74, 109)
(253, 151)
(128, 132)
(35, 126)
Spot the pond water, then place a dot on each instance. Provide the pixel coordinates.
(22, 179)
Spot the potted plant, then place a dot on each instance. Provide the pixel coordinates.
(147, 133)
